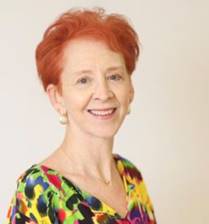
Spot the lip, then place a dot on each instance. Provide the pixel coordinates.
(104, 109)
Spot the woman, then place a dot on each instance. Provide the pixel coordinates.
(85, 62)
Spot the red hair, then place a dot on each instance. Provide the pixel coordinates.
(113, 29)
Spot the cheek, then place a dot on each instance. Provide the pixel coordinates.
(77, 102)
(123, 95)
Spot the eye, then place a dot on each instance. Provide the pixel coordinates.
(115, 77)
(82, 80)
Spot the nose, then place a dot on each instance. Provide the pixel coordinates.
(102, 91)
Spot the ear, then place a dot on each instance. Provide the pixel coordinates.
(55, 98)
(131, 92)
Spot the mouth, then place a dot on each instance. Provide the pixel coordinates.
(102, 113)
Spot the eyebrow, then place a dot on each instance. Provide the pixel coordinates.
(113, 68)
(88, 71)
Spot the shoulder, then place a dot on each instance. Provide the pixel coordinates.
(136, 185)
(42, 177)
(40, 181)
(37, 196)
(34, 181)
(33, 195)
(130, 168)
(127, 162)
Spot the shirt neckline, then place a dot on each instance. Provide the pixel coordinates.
(122, 172)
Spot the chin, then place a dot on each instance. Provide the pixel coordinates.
(103, 133)
(110, 137)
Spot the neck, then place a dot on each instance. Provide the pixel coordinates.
(88, 155)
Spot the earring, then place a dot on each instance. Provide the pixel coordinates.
(129, 109)
(63, 118)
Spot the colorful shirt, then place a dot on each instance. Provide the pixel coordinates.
(45, 196)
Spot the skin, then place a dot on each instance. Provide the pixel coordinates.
(93, 77)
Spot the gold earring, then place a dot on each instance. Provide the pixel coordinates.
(63, 118)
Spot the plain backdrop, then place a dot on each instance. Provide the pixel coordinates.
(167, 133)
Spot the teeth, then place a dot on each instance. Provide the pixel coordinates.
(102, 113)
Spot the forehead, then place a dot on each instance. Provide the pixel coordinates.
(89, 53)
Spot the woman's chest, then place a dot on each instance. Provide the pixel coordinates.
(111, 199)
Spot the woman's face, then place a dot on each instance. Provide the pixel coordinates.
(94, 78)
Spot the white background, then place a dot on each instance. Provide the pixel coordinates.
(167, 133)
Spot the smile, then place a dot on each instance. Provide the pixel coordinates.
(103, 114)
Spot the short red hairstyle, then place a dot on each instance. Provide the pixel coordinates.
(113, 29)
